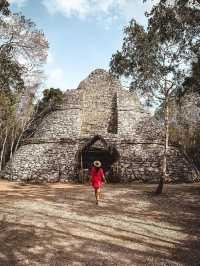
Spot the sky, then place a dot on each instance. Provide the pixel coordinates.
(82, 34)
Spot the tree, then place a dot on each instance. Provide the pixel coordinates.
(159, 59)
(23, 51)
(50, 102)
(4, 7)
(23, 48)
(11, 74)
(180, 2)
(52, 98)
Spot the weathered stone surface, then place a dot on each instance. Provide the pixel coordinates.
(129, 135)
(189, 109)
(64, 122)
(98, 92)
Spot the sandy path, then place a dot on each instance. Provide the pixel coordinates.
(60, 225)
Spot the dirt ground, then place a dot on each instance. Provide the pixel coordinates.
(59, 225)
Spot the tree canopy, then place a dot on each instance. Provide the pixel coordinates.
(159, 59)
(4, 7)
(23, 49)
(51, 99)
(23, 52)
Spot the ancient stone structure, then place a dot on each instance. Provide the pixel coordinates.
(98, 120)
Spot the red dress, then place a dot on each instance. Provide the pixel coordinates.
(97, 177)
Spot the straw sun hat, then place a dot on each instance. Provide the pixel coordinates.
(97, 163)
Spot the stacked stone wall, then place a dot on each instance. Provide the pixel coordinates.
(99, 90)
(130, 112)
(49, 162)
(143, 161)
(57, 161)
(98, 107)
(66, 121)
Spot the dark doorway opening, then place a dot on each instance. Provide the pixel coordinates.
(99, 154)
(97, 149)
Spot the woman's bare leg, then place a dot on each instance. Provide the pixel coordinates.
(95, 190)
(98, 194)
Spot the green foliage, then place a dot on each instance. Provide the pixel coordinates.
(23, 51)
(157, 60)
(7, 103)
(52, 98)
(180, 2)
(4, 7)
(10, 74)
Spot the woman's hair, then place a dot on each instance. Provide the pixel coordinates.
(97, 168)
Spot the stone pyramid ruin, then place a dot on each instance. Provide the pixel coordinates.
(98, 120)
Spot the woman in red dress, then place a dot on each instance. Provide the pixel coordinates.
(97, 177)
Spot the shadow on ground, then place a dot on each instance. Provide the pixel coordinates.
(60, 225)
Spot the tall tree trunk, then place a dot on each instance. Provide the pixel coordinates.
(3, 148)
(20, 137)
(11, 150)
(166, 147)
(12, 143)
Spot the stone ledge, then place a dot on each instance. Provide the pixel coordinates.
(110, 139)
